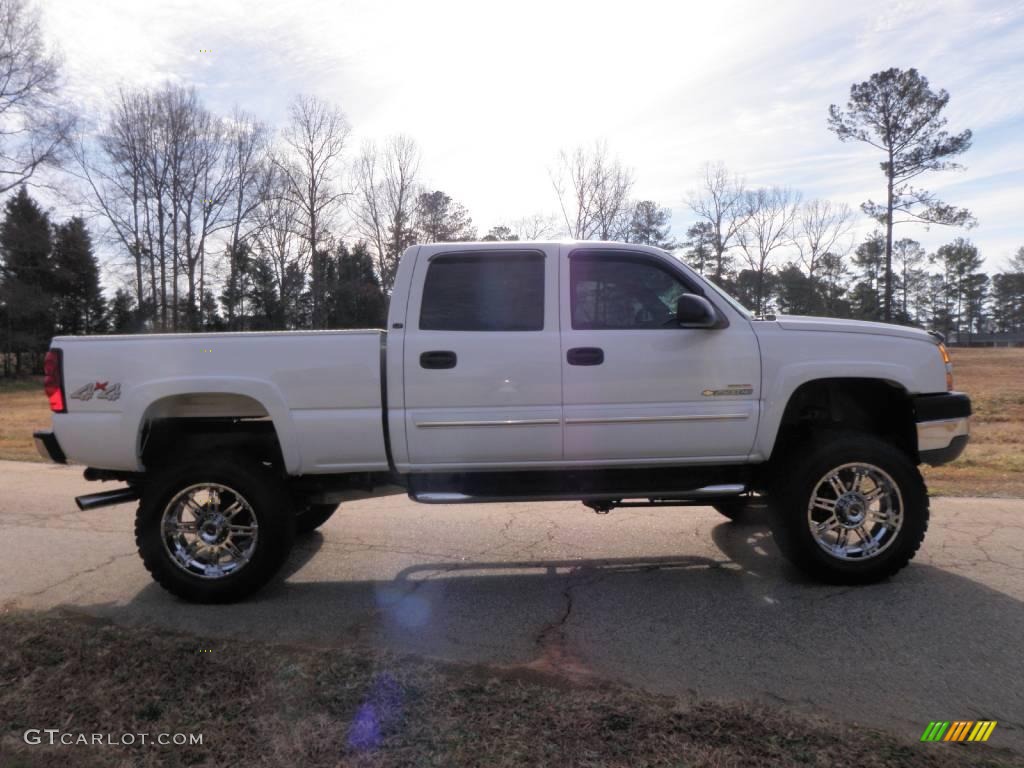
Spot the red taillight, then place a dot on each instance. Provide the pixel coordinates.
(53, 380)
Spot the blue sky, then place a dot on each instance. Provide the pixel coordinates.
(492, 92)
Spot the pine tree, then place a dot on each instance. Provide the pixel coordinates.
(796, 293)
(866, 295)
(295, 306)
(500, 233)
(27, 283)
(210, 313)
(1008, 296)
(897, 113)
(439, 219)
(909, 278)
(123, 317)
(650, 225)
(964, 285)
(264, 303)
(236, 288)
(832, 275)
(356, 299)
(79, 306)
(699, 252)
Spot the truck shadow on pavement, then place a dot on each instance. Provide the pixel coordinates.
(928, 644)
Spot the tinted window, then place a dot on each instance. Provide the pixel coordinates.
(623, 293)
(484, 293)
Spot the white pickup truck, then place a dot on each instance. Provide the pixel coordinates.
(603, 372)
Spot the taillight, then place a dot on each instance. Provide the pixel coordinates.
(53, 380)
(949, 367)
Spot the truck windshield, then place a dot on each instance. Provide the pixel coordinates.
(710, 284)
(732, 302)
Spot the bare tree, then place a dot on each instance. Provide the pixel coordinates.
(384, 200)
(279, 236)
(722, 203)
(593, 193)
(205, 205)
(768, 214)
(127, 172)
(537, 226)
(156, 177)
(822, 227)
(34, 128)
(248, 165)
(113, 174)
(314, 142)
(160, 172)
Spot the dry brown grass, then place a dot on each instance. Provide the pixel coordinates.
(992, 465)
(264, 705)
(23, 409)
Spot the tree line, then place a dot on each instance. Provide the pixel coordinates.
(778, 253)
(221, 222)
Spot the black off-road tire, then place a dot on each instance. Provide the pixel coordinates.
(265, 493)
(792, 493)
(313, 516)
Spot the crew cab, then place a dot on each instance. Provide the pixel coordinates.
(604, 372)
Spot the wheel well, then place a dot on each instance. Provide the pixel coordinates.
(874, 406)
(185, 425)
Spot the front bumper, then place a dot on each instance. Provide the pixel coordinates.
(943, 426)
(48, 447)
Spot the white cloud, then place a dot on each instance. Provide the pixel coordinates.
(492, 91)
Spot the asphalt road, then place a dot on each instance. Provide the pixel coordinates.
(677, 601)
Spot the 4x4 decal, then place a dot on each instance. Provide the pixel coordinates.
(103, 390)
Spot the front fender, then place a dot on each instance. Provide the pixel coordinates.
(794, 358)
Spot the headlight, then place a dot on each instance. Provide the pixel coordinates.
(949, 367)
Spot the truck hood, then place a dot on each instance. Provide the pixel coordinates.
(837, 325)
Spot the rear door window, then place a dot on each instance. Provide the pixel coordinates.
(492, 292)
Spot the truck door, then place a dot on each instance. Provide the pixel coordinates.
(482, 358)
(638, 389)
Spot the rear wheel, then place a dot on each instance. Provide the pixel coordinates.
(852, 510)
(214, 530)
(313, 516)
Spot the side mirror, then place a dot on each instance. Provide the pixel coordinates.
(693, 311)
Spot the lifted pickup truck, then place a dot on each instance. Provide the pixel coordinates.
(603, 372)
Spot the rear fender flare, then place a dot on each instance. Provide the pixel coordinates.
(138, 407)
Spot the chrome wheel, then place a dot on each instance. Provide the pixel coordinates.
(855, 511)
(209, 530)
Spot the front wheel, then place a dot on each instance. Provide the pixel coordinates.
(852, 509)
(215, 530)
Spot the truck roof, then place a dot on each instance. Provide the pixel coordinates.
(504, 245)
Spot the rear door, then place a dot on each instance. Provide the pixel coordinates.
(482, 358)
(637, 388)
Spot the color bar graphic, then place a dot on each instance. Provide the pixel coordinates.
(958, 730)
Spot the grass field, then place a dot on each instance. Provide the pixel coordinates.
(23, 409)
(992, 465)
(265, 705)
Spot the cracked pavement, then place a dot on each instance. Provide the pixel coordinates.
(676, 601)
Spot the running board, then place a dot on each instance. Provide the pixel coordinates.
(106, 498)
(609, 499)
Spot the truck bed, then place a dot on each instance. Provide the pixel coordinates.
(314, 385)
